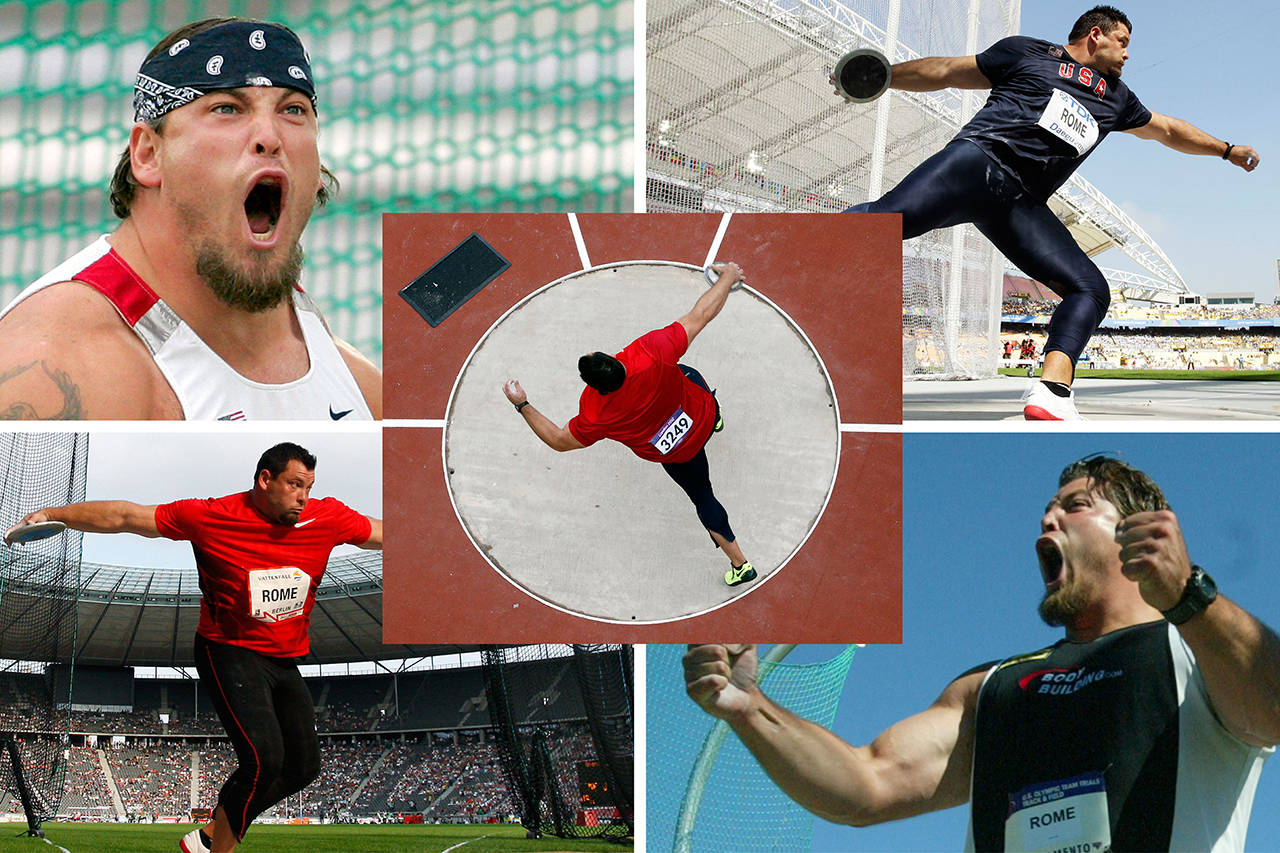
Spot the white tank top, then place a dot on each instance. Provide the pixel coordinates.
(207, 387)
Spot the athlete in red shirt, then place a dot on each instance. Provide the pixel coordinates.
(260, 556)
(661, 409)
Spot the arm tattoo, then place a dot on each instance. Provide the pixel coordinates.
(21, 410)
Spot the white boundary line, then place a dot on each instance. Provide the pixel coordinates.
(464, 843)
(444, 447)
(577, 241)
(51, 844)
(717, 240)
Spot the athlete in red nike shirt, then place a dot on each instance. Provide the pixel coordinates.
(661, 409)
(260, 556)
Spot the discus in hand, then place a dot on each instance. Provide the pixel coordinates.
(712, 277)
(862, 75)
(21, 534)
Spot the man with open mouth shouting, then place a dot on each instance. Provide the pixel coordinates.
(192, 307)
(1145, 728)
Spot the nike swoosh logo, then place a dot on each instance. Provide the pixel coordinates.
(304, 523)
(337, 416)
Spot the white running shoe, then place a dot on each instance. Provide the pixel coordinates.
(1041, 404)
(193, 842)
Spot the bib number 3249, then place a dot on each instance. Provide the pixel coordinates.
(674, 431)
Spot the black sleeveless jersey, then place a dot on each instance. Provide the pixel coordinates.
(1129, 708)
(1046, 112)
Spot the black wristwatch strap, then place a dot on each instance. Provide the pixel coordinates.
(521, 405)
(1198, 594)
(1226, 155)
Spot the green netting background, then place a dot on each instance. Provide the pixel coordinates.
(742, 810)
(510, 105)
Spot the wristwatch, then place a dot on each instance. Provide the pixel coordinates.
(521, 405)
(1198, 594)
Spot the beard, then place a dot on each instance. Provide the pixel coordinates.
(254, 289)
(1063, 605)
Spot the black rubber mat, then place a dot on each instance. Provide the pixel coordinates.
(454, 279)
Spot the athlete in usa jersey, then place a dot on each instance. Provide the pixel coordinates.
(662, 410)
(260, 555)
(1046, 112)
(1050, 105)
(1145, 728)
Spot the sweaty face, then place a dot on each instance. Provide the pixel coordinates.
(1112, 51)
(240, 171)
(1076, 548)
(286, 494)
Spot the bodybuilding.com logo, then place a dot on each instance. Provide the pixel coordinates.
(1065, 681)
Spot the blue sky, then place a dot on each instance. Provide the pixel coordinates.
(971, 581)
(1212, 66)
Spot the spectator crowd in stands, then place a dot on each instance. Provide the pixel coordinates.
(446, 777)
(1160, 347)
(437, 759)
(1023, 305)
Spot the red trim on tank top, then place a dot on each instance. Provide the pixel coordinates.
(117, 281)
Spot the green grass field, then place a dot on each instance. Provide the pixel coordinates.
(141, 838)
(1226, 375)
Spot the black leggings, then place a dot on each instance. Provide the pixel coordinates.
(268, 713)
(962, 184)
(694, 477)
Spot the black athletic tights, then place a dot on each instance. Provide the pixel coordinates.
(694, 477)
(269, 716)
(962, 184)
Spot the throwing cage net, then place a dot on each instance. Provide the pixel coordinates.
(572, 776)
(716, 795)
(511, 105)
(741, 117)
(38, 587)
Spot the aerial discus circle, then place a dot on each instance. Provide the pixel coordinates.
(599, 532)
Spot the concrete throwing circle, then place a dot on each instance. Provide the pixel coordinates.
(600, 532)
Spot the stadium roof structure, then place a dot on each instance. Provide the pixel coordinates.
(822, 147)
(147, 617)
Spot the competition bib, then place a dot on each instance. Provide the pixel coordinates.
(1067, 119)
(277, 594)
(1067, 816)
(673, 432)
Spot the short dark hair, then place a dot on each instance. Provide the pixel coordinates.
(602, 372)
(1105, 18)
(1123, 485)
(277, 458)
(124, 184)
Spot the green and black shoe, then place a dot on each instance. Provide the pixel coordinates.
(740, 574)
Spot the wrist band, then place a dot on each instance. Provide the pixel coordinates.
(1227, 154)
(520, 406)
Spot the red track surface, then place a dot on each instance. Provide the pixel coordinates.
(840, 280)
